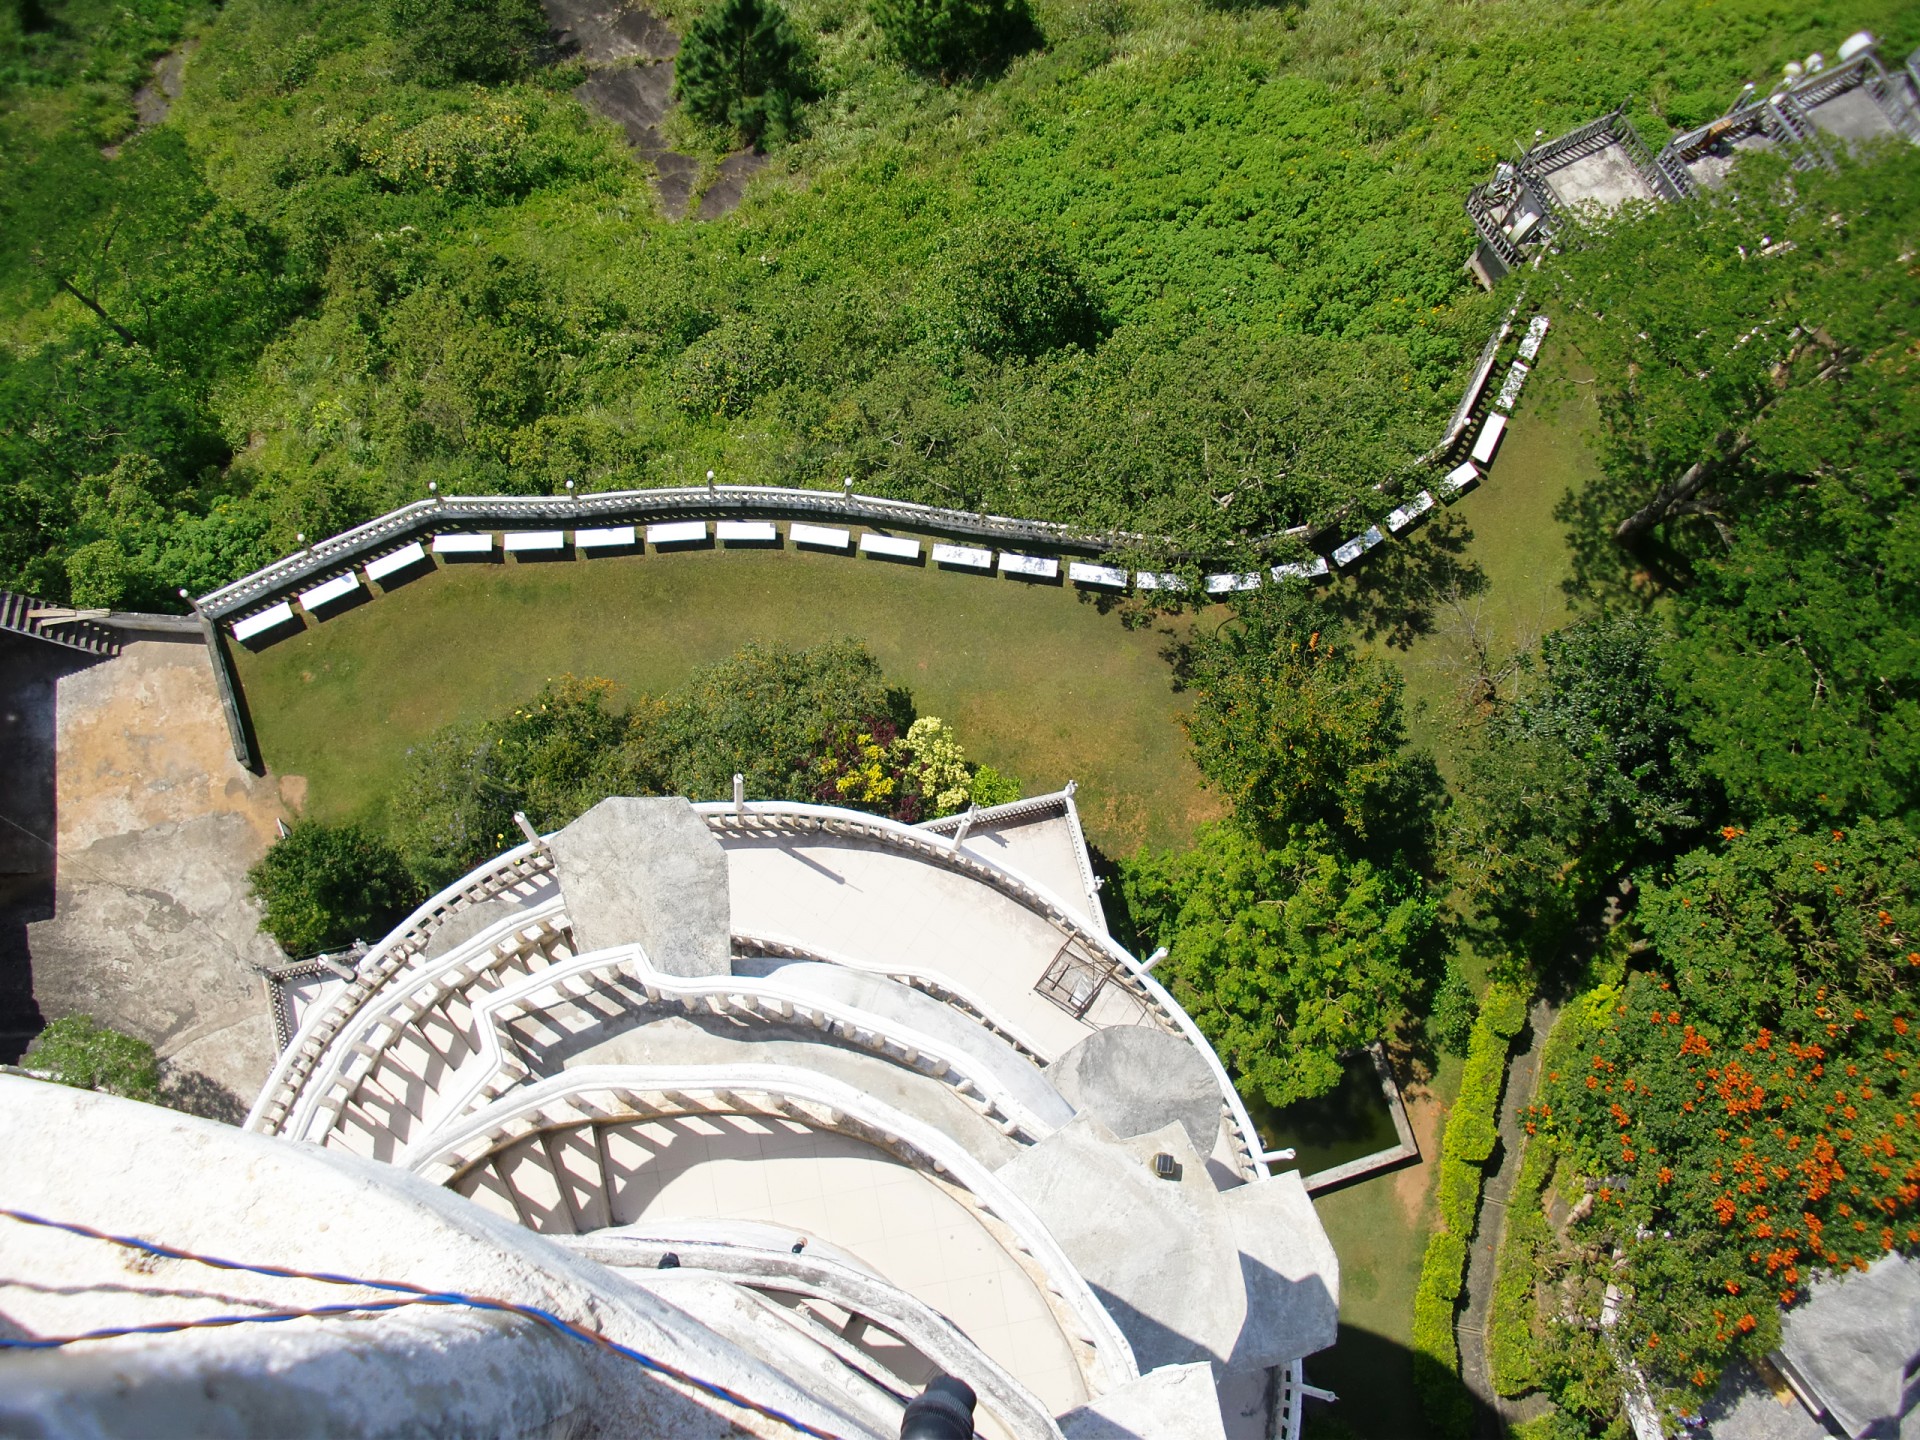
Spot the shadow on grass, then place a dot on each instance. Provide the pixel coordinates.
(1373, 1376)
(1399, 587)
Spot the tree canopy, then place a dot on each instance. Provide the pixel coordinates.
(955, 37)
(742, 64)
(322, 886)
(1287, 958)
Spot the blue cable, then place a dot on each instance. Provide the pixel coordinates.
(417, 1295)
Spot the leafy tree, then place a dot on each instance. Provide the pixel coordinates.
(1451, 1013)
(1300, 730)
(744, 65)
(77, 1050)
(1586, 773)
(323, 886)
(1004, 289)
(1722, 329)
(1286, 958)
(726, 369)
(446, 42)
(949, 38)
(1753, 1089)
(551, 758)
(1762, 931)
(768, 713)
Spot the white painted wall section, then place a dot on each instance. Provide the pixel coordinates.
(889, 547)
(610, 537)
(1034, 567)
(329, 592)
(463, 544)
(1106, 577)
(820, 537)
(271, 618)
(965, 557)
(402, 559)
(677, 532)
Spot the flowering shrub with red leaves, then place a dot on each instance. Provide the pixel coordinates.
(1752, 1115)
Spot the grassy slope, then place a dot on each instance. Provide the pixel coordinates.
(1038, 681)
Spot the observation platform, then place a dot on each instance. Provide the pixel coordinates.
(913, 1050)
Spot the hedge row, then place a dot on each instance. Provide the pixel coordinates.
(1471, 1131)
(1511, 1341)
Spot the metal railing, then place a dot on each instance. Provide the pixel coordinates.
(408, 523)
(514, 870)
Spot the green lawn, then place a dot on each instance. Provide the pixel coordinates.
(1037, 680)
(1380, 1246)
(1500, 540)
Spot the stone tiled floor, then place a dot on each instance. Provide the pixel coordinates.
(888, 1216)
(873, 904)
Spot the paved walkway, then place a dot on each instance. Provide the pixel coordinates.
(152, 930)
(1476, 1366)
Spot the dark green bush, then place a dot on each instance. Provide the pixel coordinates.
(955, 37)
(725, 369)
(1450, 1018)
(324, 886)
(1003, 289)
(445, 42)
(76, 1050)
(744, 65)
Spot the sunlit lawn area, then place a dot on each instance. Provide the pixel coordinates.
(1037, 680)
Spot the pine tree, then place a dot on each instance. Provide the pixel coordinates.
(743, 64)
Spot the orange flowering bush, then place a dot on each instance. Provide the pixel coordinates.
(1737, 1168)
(1753, 1116)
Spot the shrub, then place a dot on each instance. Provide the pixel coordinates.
(955, 37)
(444, 42)
(744, 65)
(1458, 1193)
(1443, 1269)
(323, 886)
(990, 787)
(1450, 1018)
(1002, 289)
(723, 371)
(76, 1050)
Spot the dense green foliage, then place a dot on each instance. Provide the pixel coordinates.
(820, 724)
(1306, 926)
(1302, 731)
(447, 41)
(76, 1050)
(1472, 1128)
(1287, 958)
(321, 887)
(955, 37)
(743, 65)
(343, 278)
(1745, 348)
(1585, 772)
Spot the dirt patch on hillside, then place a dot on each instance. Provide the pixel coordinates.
(153, 101)
(631, 51)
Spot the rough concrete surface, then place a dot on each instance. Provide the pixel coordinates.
(648, 872)
(1135, 1080)
(152, 931)
(429, 1370)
